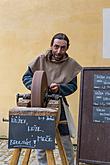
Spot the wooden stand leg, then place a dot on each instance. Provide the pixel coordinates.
(15, 157)
(26, 157)
(61, 148)
(50, 157)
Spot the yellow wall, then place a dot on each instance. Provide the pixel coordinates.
(26, 28)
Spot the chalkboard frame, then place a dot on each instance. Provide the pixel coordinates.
(93, 140)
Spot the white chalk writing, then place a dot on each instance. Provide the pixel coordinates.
(46, 138)
(34, 129)
(17, 120)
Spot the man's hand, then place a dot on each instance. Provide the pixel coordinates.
(54, 87)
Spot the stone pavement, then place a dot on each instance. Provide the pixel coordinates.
(6, 154)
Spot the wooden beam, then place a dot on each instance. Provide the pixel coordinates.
(50, 157)
(61, 148)
(26, 157)
(15, 157)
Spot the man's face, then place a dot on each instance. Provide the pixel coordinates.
(59, 49)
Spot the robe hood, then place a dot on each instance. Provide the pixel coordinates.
(62, 71)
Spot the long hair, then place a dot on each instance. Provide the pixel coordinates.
(60, 36)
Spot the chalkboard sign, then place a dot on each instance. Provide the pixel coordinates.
(101, 98)
(28, 131)
(101, 114)
(102, 81)
(94, 116)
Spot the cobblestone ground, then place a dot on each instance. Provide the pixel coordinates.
(6, 154)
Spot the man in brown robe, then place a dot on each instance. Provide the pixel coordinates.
(61, 71)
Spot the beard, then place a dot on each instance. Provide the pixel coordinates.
(58, 57)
